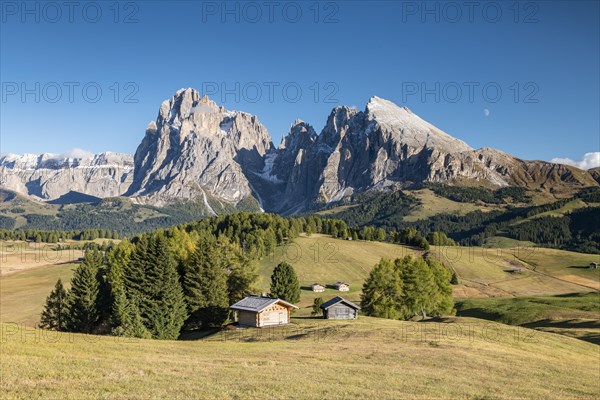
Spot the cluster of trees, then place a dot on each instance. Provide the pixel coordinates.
(55, 236)
(475, 194)
(548, 230)
(153, 287)
(407, 287)
(589, 195)
(578, 231)
(126, 222)
(379, 209)
(6, 222)
(440, 239)
(184, 277)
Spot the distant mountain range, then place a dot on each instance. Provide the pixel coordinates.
(225, 160)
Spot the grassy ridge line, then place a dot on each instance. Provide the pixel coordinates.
(369, 358)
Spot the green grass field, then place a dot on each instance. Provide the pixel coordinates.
(315, 358)
(22, 294)
(502, 242)
(310, 359)
(576, 315)
(327, 260)
(485, 272)
(432, 204)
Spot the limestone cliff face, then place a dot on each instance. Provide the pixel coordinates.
(195, 149)
(386, 147)
(50, 176)
(199, 151)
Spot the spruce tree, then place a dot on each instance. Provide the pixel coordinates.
(161, 301)
(134, 270)
(242, 278)
(205, 286)
(284, 283)
(83, 297)
(56, 310)
(125, 316)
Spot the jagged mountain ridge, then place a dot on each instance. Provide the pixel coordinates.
(50, 176)
(196, 150)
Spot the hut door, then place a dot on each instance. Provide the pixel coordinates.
(281, 318)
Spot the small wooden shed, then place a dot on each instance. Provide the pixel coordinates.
(342, 287)
(259, 311)
(339, 308)
(593, 265)
(317, 287)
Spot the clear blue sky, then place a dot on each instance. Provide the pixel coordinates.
(388, 49)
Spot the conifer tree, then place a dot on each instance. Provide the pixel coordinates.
(56, 310)
(134, 270)
(161, 301)
(83, 297)
(205, 284)
(284, 283)
(242, 278)
(125, 317)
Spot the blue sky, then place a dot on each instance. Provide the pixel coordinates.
(445, 62)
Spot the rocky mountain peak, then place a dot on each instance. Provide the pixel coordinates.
(198, 150)
(300, 135)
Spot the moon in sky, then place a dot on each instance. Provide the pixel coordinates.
(486, 112)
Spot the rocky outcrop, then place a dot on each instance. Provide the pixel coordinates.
(196, 150)
(50, 176)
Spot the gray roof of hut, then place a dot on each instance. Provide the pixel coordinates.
(258, 303)
(336, 300)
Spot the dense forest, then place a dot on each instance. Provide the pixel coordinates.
(462, 194)
(380, 209)
(577, 231)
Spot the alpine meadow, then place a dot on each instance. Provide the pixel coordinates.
(300, 200)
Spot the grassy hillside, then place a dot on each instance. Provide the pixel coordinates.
(16, 207)
(312, 359)
(486, 272)
(575, 315)
(327, 260)
(431, 204)
(28, 272)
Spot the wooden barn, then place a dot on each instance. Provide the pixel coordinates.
(317, 287)
(259, 311)
(341, 286)
(339, 308)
